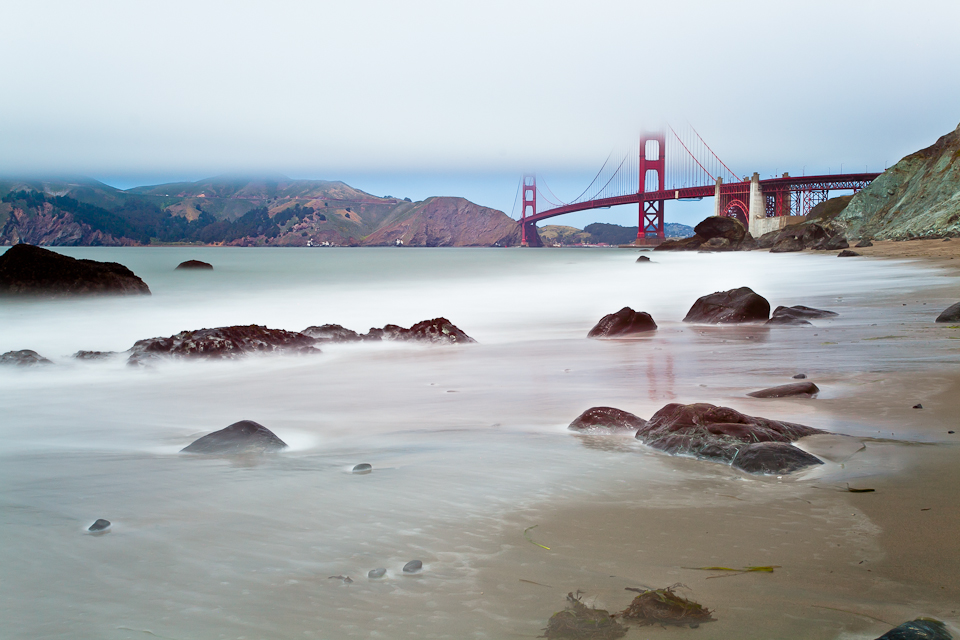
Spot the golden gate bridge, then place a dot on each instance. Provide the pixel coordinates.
(664, 166)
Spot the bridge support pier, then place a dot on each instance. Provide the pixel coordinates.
(716, 197)
(758, 206)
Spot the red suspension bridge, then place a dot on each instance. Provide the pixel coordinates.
(668, 166)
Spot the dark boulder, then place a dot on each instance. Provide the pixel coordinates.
(863, 243)
(919, 629)
(607, 420)
(363, 467)
(846, 253)
(195, 264)
(767, 240)
(749, 243)
(950, 314)
(99, 525)
(221, 343)
(23, 358)
(797, 315)
(32, 271)
(721, 227)
(376, 573)
(800, 376)
(727, 307)
(720, 434)
(795, 389)
(623, 323)
(413, 566)
(643, 259)
(681, 244)
(834, 243)
(331, 333)
(787, 244)
(245, 436)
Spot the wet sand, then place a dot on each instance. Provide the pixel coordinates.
(848, 564)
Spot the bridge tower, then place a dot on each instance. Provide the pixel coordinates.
(652, 160)
(528, 230)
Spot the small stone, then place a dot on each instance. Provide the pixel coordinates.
(796, 389)
(643, 259)
(413, 566)
(951, 432)
(946, 239)
(363, 467)
(918, 406)
(800, 376)
(846, 253)
(99, 525)
(377, 573)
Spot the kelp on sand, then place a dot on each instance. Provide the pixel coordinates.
(664, 606)
(580, 622)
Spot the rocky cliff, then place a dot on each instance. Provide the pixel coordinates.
(917, 197)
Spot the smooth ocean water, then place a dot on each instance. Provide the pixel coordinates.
(461, 438)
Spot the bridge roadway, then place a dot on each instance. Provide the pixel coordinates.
(832, 182)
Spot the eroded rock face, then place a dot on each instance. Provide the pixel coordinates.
(607, 420)
(722, 434)
(23, 358)
(950, 314)
(33, 271)
(728, 307)
(331, 333)
(798, 315)
(221, 343)
(796, 389)
(625, 322)
(195, 264)
(245, 436)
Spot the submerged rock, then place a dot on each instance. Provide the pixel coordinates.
(729, 307)
(722, 434)
(919, 629)
(796, 389)
(376, 573)
(950, 314)
(363, 467)
(32, 271)
(800, 376)
(623, 323)
(331, 333)
(23, 358)
(413, 566)
(607, 420)
(94, 355)
(245, 436)
(221, 343)
(798, 315)
(99, 525)
(195, 264)
(643, 259)
(436, 330)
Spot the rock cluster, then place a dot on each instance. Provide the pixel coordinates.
(721, 434)
(623, 323)
(221, 343)
(800, 237)
(23, 358)
(437, 330)
(29, 270)
(716, 233)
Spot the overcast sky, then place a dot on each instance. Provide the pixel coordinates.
(456, 98)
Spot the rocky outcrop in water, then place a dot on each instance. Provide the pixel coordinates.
(721, 434)
(23, 358)
(917, 197)
(798, 315)
(605, 420)
(716, 233)
(221, 343)
(195, 264)
(625, 322)
(729, 307)
(919, 629)
(950, 314)
(27, 270)
(331, 333)
(241, 437)
(793, 390)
